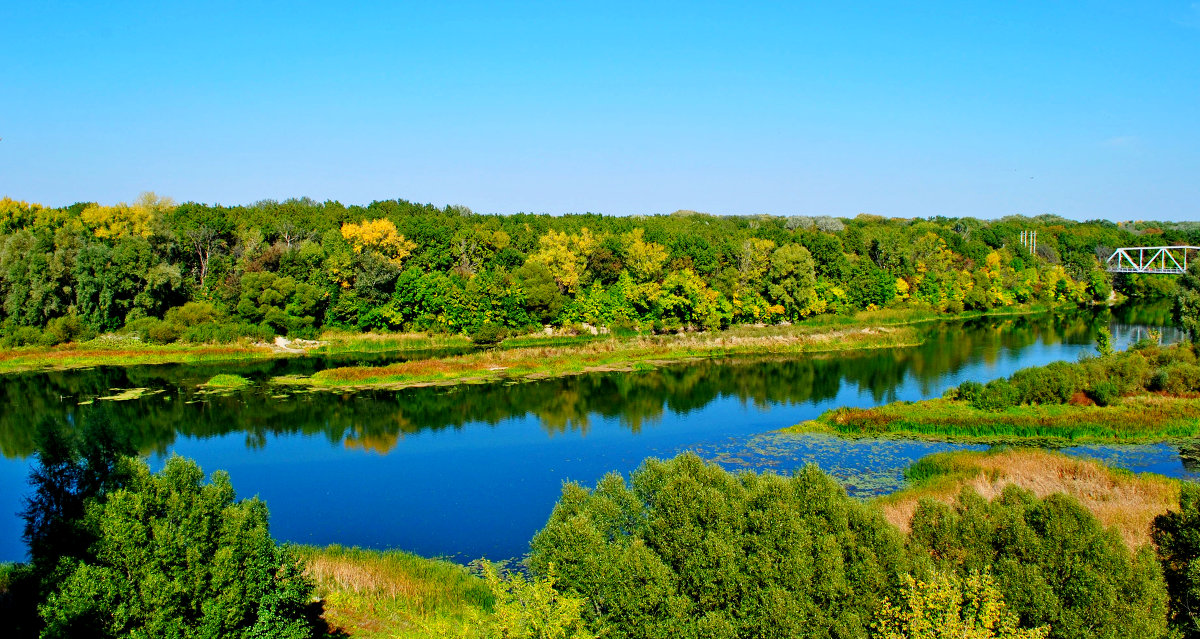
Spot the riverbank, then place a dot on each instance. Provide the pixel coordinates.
(1149, 393)
(1137, 419)
(127, 350)
(1120, 499)
(616, 354)
(534, 359)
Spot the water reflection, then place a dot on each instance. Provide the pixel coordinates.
(379, 420)
(476, 469)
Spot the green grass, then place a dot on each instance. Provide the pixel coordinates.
(393, 594)
(609, 354)
(225, 380)
(1136, 419)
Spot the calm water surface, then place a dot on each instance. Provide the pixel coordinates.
(474, 471)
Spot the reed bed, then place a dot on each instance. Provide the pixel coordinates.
(1119, 499)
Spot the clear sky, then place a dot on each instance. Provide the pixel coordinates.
(1084, 109)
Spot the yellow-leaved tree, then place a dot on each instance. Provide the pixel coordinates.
(379, 236)
(947, 606)
(127, 220)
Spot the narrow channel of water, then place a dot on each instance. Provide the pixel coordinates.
(474, 470)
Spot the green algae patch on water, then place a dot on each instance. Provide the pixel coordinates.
(128, 394)
(225, 380)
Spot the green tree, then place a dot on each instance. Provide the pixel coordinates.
(1177, 536)
(686, 549)
(177, 557)
(1052, 560)
(1187, 301)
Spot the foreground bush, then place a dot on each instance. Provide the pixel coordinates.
(946, 606)
(1053, 562)
(176, 557)
(688, 550)
(1177, 535)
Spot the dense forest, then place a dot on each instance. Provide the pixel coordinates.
(209, 273)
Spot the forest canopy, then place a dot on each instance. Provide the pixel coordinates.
(209, 273)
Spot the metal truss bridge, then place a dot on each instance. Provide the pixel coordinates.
(1162, 260)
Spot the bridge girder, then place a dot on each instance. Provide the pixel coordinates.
(1159, 260)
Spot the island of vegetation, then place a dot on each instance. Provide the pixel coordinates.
(154, 282)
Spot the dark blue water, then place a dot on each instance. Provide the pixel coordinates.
(474, 471)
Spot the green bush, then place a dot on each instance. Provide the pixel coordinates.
(1176, 379)
(968, 391)
(67, 328)
(21, 336)
(686, 549)
(176, 557)
(489, 334)
(214, 333)
(193, 314)
(1177, 537)
(1105, 393)
(1051, 384)
(1052, 561)
(997, 395)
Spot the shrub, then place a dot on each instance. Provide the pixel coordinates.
(968, 391)
(67, 328)
(532, 609)
(1053, 562)
(686, 549)
(214, 333)
(1105, 393)
(997, 395)
(489, 334)
(1051, 384)
(946, 606)
(194, 313)
(21, 336)
(1177, 537)
(1176, 378)
(177, 557)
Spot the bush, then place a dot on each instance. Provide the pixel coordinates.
(213, 333)
(997, 395)
(67, 328)
(1105, 393)
(1176, 379)
(21, 336)
(686, 549)
(1177, 537)
(177, 557)
(489, 334)
(1053, 562)
(1051, 384)
(968, 391)
(193, 314)
(946, 606)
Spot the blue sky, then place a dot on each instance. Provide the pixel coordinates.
(1084, 109)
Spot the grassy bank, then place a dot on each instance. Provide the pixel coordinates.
(1137, 419)
(393, 594)
(1118, 498)
(613, 354)
(121, 350)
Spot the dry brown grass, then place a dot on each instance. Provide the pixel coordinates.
(1122, 500)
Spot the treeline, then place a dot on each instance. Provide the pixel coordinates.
(209, 273)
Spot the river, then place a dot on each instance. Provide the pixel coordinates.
(474, 470)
